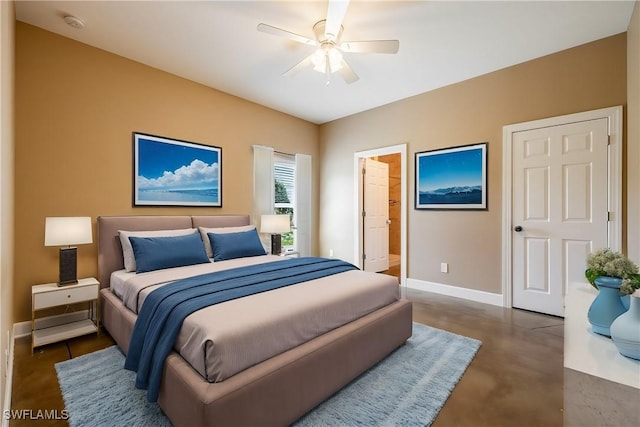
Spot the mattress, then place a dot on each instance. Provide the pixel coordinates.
(224, 339)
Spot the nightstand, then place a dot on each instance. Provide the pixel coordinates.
(51, 295)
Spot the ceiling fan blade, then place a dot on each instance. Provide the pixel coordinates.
(371, 46)
(347, 73)
(283, 33)
(335, 15)
(299, 66)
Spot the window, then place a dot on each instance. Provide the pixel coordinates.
(284, 168)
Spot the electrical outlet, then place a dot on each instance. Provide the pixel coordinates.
(444, 267)
(330, 253)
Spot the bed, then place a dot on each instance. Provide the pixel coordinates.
(275, 391)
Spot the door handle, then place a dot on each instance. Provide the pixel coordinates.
(517, 228)
(388, 221)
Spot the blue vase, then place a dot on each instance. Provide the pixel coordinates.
(625, 330)
(626, 301)
(607, 306)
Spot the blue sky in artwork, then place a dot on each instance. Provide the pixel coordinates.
(171, 166)
(154, 158)
(452, 169)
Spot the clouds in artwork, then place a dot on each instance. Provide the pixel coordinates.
(197, 174)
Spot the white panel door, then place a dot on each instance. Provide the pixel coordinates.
(376, 216)
(559, 210)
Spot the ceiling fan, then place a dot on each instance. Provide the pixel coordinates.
(328, 57)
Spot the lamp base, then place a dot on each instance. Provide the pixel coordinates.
(68, 266)
(276, 244)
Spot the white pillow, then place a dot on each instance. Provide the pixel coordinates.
(127, 249)
(221, 230)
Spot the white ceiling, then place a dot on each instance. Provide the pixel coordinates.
(441, 42)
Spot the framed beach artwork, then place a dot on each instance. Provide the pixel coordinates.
(452, 178)
(171, 172)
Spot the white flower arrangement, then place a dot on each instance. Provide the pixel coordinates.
(606, 262)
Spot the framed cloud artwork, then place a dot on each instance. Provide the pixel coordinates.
(171, 172)
(452, 178)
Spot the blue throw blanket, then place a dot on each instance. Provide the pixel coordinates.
(164, 309)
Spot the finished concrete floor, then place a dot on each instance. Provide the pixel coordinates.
(516, 379)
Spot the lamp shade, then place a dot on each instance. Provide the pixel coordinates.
(275, 224)
(67, 231)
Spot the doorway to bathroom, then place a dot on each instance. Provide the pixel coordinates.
(381, 210)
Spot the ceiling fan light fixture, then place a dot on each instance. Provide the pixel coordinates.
(335, 59)
(320, 57)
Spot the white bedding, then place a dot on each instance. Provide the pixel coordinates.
(117, 280)
(226, 338)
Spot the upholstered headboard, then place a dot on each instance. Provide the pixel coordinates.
(110, 250)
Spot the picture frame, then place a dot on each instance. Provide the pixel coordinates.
(452, 178)
(173, 172)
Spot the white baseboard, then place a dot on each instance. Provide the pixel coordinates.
(6, 405)
(23, 329)
(456, 291)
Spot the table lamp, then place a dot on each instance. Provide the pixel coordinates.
(275, 225)
(67, 231)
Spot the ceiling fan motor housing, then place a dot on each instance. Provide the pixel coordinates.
(318, 30)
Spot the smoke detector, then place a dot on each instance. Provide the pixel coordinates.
(74, 22)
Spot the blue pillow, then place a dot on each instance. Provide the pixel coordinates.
(156, 253)
(235, 245)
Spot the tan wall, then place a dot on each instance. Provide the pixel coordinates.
(584, 78)
(633, 135)
(76, 107)
(7, 32)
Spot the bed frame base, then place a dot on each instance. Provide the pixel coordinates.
(280, 390)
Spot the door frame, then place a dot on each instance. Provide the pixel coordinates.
(358, 203)
(614, 116)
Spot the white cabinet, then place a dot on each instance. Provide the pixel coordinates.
(588, 352)
(51, 295)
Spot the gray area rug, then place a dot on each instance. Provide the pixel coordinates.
(407, 388)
